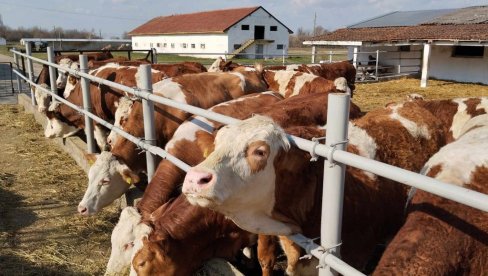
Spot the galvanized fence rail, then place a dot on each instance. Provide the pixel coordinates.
(333, 151)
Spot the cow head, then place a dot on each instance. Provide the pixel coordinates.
(124, 107)
(215, 67)
(124, 236)
(108, 179)
(239, 174)
(57, 126)
(42, 98)
(63, 74)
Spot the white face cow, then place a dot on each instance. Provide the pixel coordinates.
(124, 107)
(55, 127)
(42, 98)
(240, 172)
(63, 74)
(108, 179)
(215, 67)
(128, 230)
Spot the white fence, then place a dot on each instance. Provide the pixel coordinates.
(333, 151)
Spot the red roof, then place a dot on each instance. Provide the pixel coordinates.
(217, 21)
(473, 32)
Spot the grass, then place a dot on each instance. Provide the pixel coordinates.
(295, 56)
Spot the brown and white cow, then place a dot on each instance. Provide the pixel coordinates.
(202, 90)
(292, 83)
(63, 121)
(331, 71)
(193, 140)
(268, 187)
(442, 237)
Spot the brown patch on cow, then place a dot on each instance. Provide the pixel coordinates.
(435, 170)
(257, 154)
(293, 253)
(479, 179)
(267, 253)
(471, 105)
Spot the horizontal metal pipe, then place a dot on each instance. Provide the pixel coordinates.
(139, 142)
(468, 197)
(319, 252)
(23, 40)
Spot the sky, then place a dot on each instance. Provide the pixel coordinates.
(112, 18)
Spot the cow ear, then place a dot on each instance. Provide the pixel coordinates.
(129, 176)
(91, 158)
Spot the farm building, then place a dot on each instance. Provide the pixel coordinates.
(253, 32)
(446, 44)
(3, 41)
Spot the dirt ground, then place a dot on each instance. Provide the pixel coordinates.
(40, 187)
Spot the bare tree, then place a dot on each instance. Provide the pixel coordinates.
(301, 35)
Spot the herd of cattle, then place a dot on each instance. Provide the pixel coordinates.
(248, 186)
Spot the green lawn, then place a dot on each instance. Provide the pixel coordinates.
(295, 56)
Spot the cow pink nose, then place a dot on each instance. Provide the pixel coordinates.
(198, 177)
(82, 210)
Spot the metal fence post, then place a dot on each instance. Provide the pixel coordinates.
(52, 71)
(30, 69)
(314, 52)
(19, 82)
(334, 174)
(377, 61)
(148, 112)
(154, 56)
(85, 88)
(330, 56)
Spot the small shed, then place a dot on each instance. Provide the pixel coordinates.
(251, 31)
(3, 41)
(447, 44)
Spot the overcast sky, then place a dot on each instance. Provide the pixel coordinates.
(113, 17)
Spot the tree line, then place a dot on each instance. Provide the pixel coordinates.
(302, 35)
(15, 34)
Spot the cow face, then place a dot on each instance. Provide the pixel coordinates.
(153, 259)
(108, 179)
(124, 107)
(56, 127)
(63, 74)
(128, 229)
(239, 174)
(215, 67)
(42, 98)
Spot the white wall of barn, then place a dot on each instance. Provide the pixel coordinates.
(206, 44)
(259, 18)
(462, 69)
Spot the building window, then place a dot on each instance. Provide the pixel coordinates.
(468, 51)
(183, 45)
(193, 45)
(273, 28)
(165, 45)
(202, 46)
(280, 46)
(245, 27)
(172, 45)
(404, 48)
(158, 45)
(237, 46)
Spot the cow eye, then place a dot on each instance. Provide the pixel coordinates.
(259, 153)
(105, 181)
(128, 246)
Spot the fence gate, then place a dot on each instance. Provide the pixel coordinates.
(6, 79)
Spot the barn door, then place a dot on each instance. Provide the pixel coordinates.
(259, 51)
(258, 32)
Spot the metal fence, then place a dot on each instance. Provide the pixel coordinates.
(333, 151)
(6, 79)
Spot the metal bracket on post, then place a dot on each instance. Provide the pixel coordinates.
(30, 69)
(312, 153)
(52, 71)
(330, 154)
(85, 88)
(148, 112)
(334, 175)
